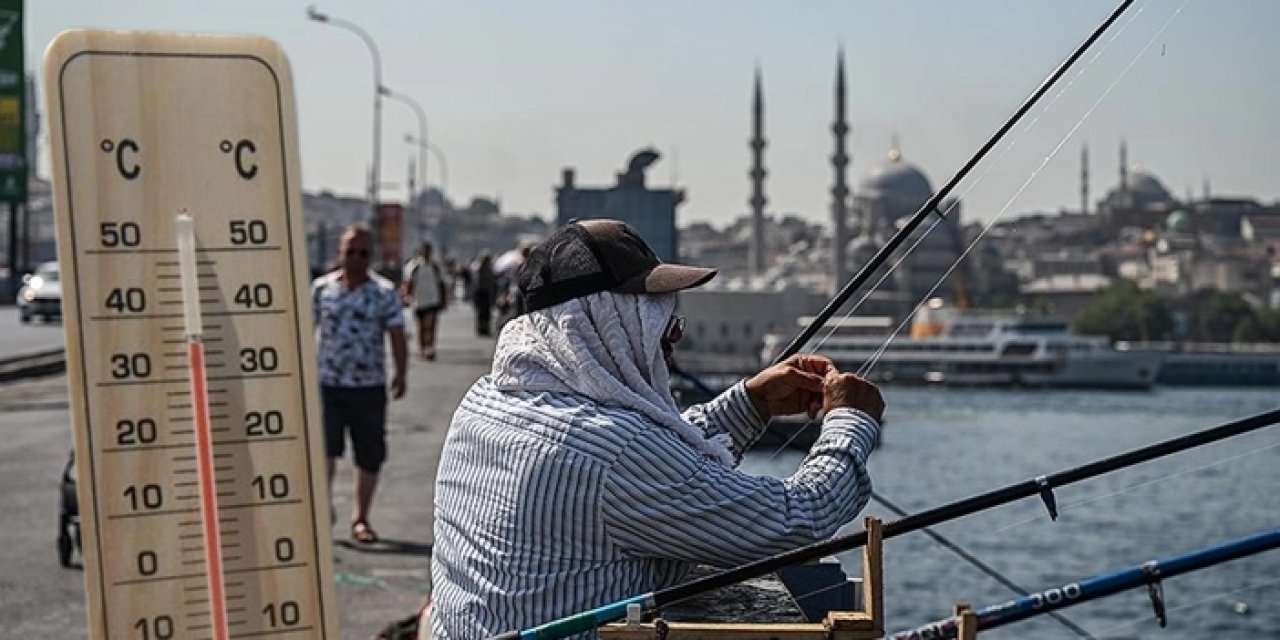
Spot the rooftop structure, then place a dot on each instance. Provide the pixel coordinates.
(652, 212)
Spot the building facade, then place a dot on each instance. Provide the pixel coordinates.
(652, 212)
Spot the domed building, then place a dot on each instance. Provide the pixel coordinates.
(891, 190)
(1179, 222)
(886, 198)
(1139, 200)
(1145, 191)
(1178, 233)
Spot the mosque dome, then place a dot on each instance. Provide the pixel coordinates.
(1143, 191)
(1147, 188)
(898, 180)
(1178, 222)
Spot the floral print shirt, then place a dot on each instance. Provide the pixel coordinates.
(349, 328)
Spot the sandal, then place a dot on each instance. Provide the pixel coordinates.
(361, 532)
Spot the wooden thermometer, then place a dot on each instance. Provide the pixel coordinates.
(190, 352)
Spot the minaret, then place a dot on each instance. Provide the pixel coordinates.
(757, 201)
(1084, 179)
(840, 190)
(1124, 166)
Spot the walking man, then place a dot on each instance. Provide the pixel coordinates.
(424, 288)
(352, 308)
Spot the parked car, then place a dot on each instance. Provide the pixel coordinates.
(41, 293)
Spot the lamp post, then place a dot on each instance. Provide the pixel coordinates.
(375, 175)
(424, 146)
(422, 130)
(440, 159)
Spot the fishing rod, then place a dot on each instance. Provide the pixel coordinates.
(1042, 486)
(694, 380)
(1149, 573)
(588, 620)
(985, 568)
(961, 552)
(931, 205)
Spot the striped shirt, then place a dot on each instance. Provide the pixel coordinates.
(548, 504)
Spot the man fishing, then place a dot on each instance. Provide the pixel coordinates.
(570, 479)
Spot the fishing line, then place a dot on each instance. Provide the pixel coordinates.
(1007, 148)
(1062, 508)
(870, 363)
(867, 366)
(588, 619)
(955, 202)
(1193, 605)
(1071, 505)
(1005, 581)
(980, 565)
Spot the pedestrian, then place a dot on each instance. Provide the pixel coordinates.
(569, 478)
(463, 275)
(353, 308)
(484, 290)
(425, 290)
(451, 279)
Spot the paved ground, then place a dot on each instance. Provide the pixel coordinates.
(375, 584)
(17, 338)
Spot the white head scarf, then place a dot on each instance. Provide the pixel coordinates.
(605, 346)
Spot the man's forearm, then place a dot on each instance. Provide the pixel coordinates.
(399, 351)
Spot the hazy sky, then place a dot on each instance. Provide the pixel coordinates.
(515, 91)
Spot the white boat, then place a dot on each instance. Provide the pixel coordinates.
(984, 348)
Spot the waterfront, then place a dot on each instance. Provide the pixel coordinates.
(943, 445)
(940, 445)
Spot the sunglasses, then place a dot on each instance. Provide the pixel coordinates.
(351, 253)
(675, 330)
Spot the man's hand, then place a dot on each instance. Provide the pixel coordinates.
(848, 390)
(789, 387)
(397, 386)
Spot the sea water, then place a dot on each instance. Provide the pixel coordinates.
(944, 445)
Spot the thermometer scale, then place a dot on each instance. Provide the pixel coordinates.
(190, 354)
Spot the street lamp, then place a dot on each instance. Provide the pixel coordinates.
(422, 129)
(440, 159)
(375, 175)
(424, 146)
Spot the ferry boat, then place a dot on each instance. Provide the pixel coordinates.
(984, 348)
(1215, 364)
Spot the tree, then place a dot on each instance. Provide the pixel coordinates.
(1263, 326)
(1122, 311)
(1219, 314)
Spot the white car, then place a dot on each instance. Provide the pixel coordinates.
(41, 293)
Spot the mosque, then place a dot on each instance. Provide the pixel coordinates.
(785, 284)
(863, 220)
(1139, 200)
(731, 317)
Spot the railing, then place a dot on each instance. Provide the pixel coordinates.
(1269, 348)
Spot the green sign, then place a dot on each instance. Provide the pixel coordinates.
(13, 132)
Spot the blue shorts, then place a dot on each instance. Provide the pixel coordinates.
(362, 412)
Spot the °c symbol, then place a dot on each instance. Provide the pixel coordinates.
(130, 170)
(244, 165)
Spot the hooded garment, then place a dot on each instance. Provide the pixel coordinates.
(604, 346)
(568, 479)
